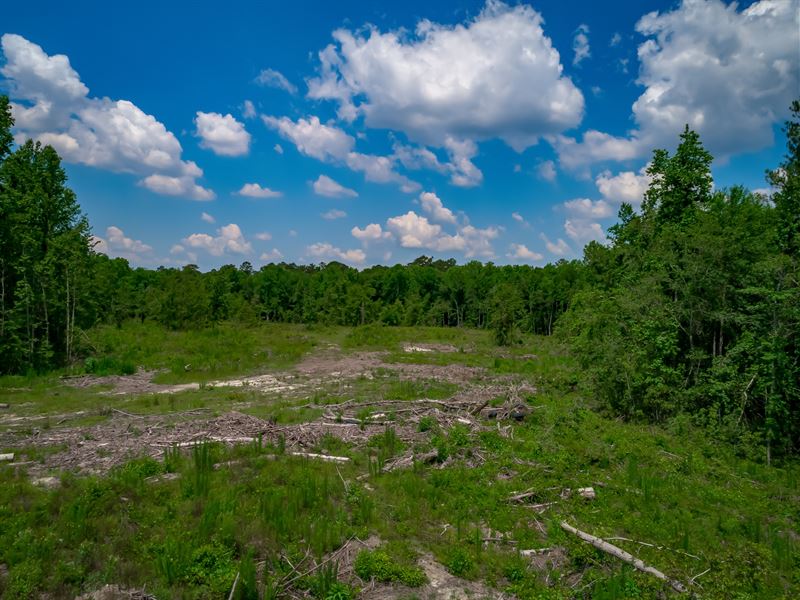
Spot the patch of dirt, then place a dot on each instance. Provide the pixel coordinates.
(336, 364)
(140, 382)
(441, 586)
(115, 592)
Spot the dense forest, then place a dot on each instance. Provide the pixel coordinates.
(693, 307)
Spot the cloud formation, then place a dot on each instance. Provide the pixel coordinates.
(325, 186)
(469, 81)
(254, 190)
(229, 240)
(52, 105)
(729, 73)
(222, 134)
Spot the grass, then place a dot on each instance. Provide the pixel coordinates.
(683, 502)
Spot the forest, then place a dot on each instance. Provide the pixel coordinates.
(692, 308)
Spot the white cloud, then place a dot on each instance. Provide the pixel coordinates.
(313, 138)
(325, 186)
(380, 169)
(207, 218)
(185, 186)
(559, 248)
(263, 236)
(580, 44)
(254, 190)
(415, 231)
(333, 214)
(275, 79)
(328, 143)
(625, 186)
(520, 219)
(249, 110)
(278, 148)
(615, 39)
(52, 105)
(273, 255)
(546, 170)
(370, 233)
(432, 204)
(521, 252)
(470, 81)
(222, 134)
(117, 244)
(229, 240)
(583, 208)
(729, 74)
(583, 231)
(328, 251)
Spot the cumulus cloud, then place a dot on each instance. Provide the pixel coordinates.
(278, 148)
(229, 240)
(559, 247)
(263, 236)
(222, 134)
(333, 214)
(272, 256)
(207, 218)
(730, 74)
(313, 138)
(470, 81)
(521, 252)
(583, 208)
(580, 44)
(416, 231)
(432, 204)
(583, 231)
(520, 219)
(117, 244)
(327, 251)
(370, 233)
(615, 39)
(52, 104)
(331, 144)
(546, 170)
(275, 79)
(325, 186)
(249, 110)
(254, 190)
(625, 186)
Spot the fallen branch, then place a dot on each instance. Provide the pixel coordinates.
(7, 457)
(613, 550)
(233, 587)
(3, 405)
(325, 457)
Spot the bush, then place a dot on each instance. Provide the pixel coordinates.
(378, 566)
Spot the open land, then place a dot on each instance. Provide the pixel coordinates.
(375, 462)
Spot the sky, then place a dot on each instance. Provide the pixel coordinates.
(375, 132)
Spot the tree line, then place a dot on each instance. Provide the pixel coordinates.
(693, 307)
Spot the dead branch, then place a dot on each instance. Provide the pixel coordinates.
(7, 457)
(233, 587)
(324, 457)
(619, 553)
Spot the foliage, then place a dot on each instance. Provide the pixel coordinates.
(377, 565)
(695, 306)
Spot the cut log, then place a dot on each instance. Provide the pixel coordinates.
(325, 457)
(3, 405)
(7, 457)
(619, 553)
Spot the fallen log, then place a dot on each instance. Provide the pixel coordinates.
(3, 405)
(619, 553)
(324, 457)
(6, 457)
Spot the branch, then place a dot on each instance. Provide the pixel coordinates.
(613, 550)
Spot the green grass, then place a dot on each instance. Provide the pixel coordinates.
(694, 503)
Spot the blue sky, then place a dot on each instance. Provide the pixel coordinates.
(376, 132)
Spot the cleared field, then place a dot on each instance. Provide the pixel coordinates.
(290, 461)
